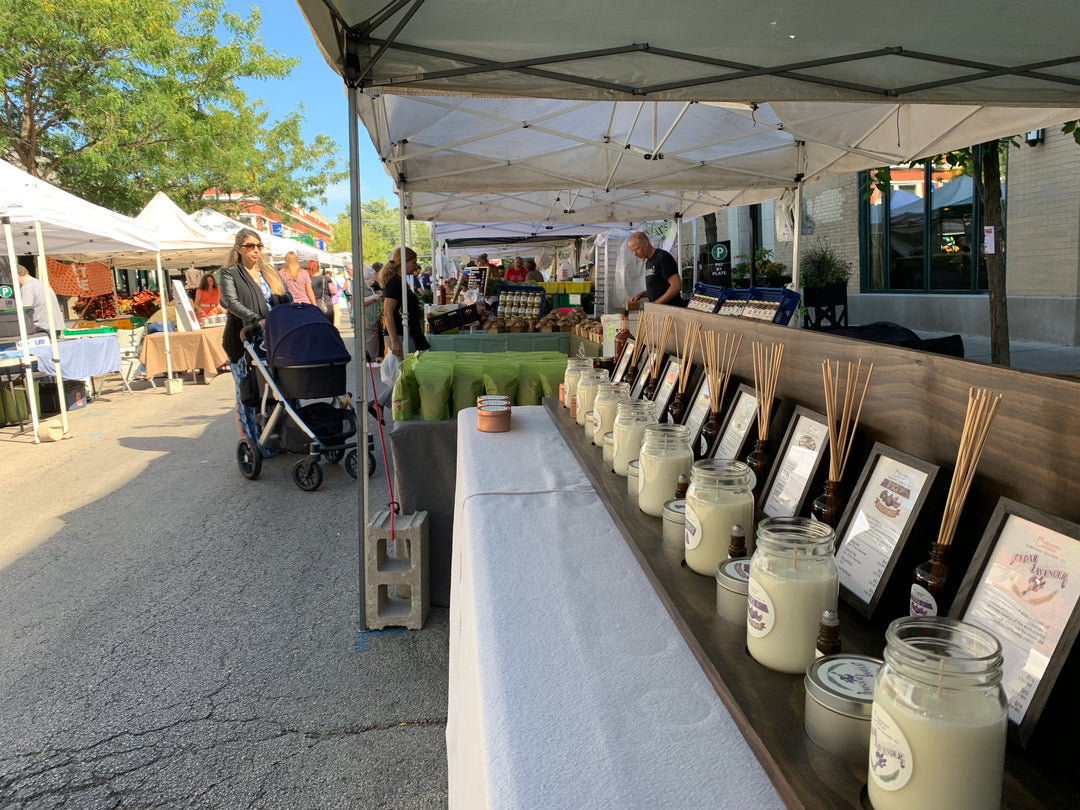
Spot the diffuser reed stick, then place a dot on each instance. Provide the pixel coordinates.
(719, 360)
(982, 406)
(661, 344)
(767, 362)
(841, 424)
(642, 338)
(686, 361)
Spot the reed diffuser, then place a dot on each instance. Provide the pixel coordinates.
(842, 424)
(656, 366)
(634, 369)
(719, 359)
(931, 578)
(691, 337)
(766, 372)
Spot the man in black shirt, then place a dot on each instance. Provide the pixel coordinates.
(663, 282)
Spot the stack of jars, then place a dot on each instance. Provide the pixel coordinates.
(588, 382)
(608, 396)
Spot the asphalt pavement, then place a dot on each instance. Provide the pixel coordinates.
(174, 635)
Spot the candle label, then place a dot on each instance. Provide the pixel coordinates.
(922, 602)
(850, 677)
(760, 615)
(891, 763)
(692, 533)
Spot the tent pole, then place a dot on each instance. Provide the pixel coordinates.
(27, 366)
(404, 281)
(359, 334)
(796, 282)
(43, 276)
(164, 295)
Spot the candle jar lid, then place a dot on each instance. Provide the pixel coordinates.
(609, 438)
(633, 468)
(734, 575)
(675, 510)
(843, 683)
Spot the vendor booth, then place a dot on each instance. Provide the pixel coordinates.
(630, 124)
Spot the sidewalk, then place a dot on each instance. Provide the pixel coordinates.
(1046, 358)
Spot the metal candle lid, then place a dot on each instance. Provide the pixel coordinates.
(734, 575)
(843, 683)
(675, 510)
(609, 437)
(633, 468)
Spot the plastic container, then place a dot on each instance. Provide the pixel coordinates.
(674, 517)
(720, 496)
(732, 579)
(665, 455)
(793, 578)
(940, 718)
(631, 419)
(839, 697)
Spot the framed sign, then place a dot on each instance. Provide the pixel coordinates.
(624, 361)
(186, 320)
(797, 463)
(1023, 585)
(665, 389)
(698, 413)
(889, 497)
(644, 365)
(741, 416)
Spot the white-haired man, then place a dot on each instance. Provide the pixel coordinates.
(663, 282)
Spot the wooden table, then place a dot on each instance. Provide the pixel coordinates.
(200, 349)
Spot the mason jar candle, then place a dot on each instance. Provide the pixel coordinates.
(574, 367)
(720, 496)
(665, 455)
(608, 396)
(586, 391)
(631, 419)
(793, 578)
(609, 447)
(939, 719)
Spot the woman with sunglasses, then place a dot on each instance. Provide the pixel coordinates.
(249, 288)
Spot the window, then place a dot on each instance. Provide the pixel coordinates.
(925, 242)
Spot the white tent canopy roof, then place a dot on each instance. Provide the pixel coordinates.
(543, 161)
(216, 223)
(72, 228)
(717, 50)
(182, 242)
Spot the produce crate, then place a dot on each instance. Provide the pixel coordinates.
(771, 305)
(441, 322)
(707, 298)
(734, 303)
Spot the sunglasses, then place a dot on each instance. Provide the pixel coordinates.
(252, 245)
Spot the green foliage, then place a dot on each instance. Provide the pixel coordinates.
(381, 233)
(119, 99)
(768, 270)
(820, 265)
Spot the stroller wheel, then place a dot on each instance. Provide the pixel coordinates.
(350, 463)
(334, 456)
(370, 464)
(249, 458)
(307, 475)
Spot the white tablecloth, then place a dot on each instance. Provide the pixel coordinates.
(570, 686)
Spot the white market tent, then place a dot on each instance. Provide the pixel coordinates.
(217, 224)
(41, 219)
(182, 240)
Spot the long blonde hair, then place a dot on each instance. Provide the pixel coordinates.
(273, 280)
(292, 264)
(393, 265)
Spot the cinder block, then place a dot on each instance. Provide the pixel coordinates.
(396, 582)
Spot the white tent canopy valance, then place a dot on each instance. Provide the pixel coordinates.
(217, 224)
(183, 241)
(544, 161)
(716, 50)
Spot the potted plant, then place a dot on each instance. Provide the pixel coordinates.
(770, 273)
(824, 276)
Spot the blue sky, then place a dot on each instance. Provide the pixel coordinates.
(321, 91)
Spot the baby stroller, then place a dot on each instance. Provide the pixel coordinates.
(301, 357)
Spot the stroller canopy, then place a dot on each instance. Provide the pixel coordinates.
(300, 335)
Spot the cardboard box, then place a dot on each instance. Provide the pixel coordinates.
(75, 397)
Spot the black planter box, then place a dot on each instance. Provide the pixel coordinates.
(74, 396)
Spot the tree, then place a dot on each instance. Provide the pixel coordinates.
(381, 232)
(118, 99)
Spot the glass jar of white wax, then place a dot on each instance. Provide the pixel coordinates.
(720, 496)
(608, 396)
(939, 719)
(631, 419)
(633, 470)
(665, 455)
(586, 391)
(793, 578)
(609, 447)
(574, 367)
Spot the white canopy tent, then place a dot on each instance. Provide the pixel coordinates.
(708, 50)
(41, 219)
(217, 224)
(182, 240)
